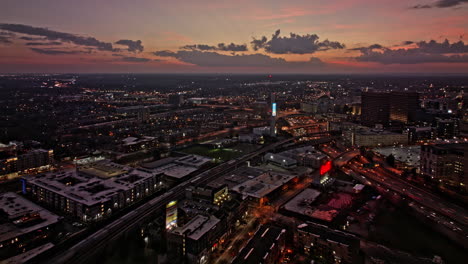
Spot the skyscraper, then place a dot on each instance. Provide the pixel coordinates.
(383, 107)
(273, 115)
(375, 108)
(403, 105)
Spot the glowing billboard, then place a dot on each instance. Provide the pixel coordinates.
(171, 215)
(326, 167)
(273, 109)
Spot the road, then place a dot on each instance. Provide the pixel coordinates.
(443, 212)
(87, 248)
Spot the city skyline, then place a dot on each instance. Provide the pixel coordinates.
(353, 36)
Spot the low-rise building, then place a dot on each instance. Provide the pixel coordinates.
(14, 164)
(334, 246)
(263, 188)
(194, 241)
(94, 191)
(280, 160)
(174, 170)
(378, 138)
(23, 225)
(306, 156)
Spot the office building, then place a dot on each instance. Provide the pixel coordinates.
(420, 134)
(375, 108)
(447, 128)
(378, 138)
(176, 99)
(403, 105)
(385, 107)
(447, 163)
(334, 246)
(193, 242)
(143, 114)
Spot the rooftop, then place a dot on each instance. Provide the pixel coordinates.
(18, 211)
(263, 185)
(328, 234)
(177, 167)
(237, 177)
(301, 203)
(86, 187)
(197, 227)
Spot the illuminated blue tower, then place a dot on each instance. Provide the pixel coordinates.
(273, 115)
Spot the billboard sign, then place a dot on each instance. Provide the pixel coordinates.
(326, 167)
(273, 109)
(171, 215)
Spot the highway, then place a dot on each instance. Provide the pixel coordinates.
(88, 247)
(445, 213)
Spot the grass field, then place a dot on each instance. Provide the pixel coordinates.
(222, 154)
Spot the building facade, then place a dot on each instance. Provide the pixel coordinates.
(447, 163)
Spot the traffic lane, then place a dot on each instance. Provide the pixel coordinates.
(436, 205)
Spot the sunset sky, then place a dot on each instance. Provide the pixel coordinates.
(217, 36)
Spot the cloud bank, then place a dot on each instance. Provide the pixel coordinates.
(424, 52)
(294, 44)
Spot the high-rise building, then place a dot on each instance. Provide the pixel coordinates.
(273, 115)
(176, 99)
(383, 107)
(447, 163)
(403, 105)
(447, 128)
(375, 108)
(464, 118)
(143, 114)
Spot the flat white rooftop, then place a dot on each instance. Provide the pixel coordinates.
(86, 188)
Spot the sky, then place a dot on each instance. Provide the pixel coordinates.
(243, 36)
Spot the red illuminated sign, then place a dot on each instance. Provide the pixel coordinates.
(326, 167)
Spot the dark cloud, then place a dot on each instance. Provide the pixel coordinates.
(52, 43)
(135, 59)
(8, 34)
(55, 35)
(55, 51)
(232, 47)
(425, 52)
(5, 37)
(31, 39)
(258, 43)
(421, 6)
(199, 47)
(165, 53)
(133, 46)
(221, 47)
(408, 42)
(294, 44)
(441, 4)
(214, 59)
(5, 40)
(371, 47)
(443, 47)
